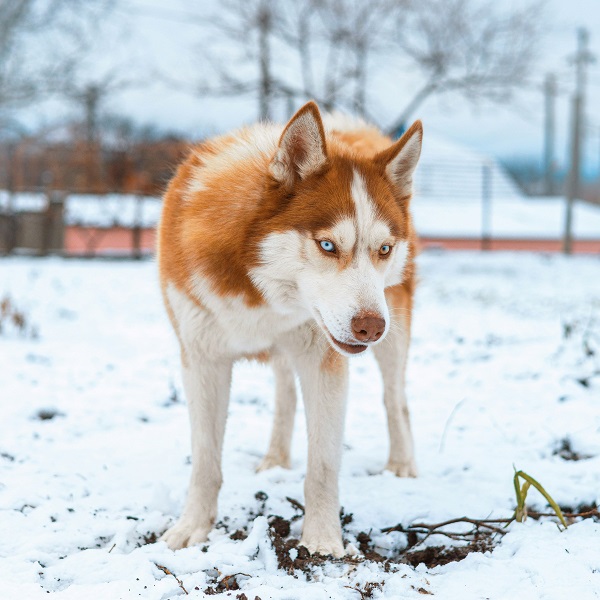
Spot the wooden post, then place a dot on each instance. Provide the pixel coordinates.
(136, 231)
(486, 207)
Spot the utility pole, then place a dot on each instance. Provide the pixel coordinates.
(581, 60)
(549, 135)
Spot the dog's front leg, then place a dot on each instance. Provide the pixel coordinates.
(207, 386)
(324, 382)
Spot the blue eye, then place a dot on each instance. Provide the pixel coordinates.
(327, 245)
(385, 249)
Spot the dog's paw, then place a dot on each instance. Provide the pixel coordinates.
(402, 469)
(273, 460)
(333, 547)
(184, 534)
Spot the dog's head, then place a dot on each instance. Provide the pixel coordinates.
(336, 229)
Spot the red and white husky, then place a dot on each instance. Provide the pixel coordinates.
(291, 244)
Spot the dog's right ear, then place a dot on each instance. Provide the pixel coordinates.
(302, 150)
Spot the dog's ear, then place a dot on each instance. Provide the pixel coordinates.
(400, 159)
(302, 150)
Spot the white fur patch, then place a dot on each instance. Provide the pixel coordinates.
(395, 271)
(344, 234)
(371, 230)
(242, 329)
(281, 259)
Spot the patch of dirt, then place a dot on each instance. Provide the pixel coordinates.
(565, 450)
(292, 557)
(226, 584)
(150, 538)
(280, 526)
(365, 545)
(239, 535)
(47, 414)
(297, 561)
(368, 589)
(434, 556)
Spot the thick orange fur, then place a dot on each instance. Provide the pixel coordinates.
(217, 229)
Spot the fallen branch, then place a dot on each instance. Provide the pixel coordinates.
(434, 527)
(594, 512)
(297, 505)
(167, 572)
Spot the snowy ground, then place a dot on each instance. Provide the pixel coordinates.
(505, 366)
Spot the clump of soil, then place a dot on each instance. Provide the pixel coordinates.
(368, 589)
(433, 556)
(566, 451)
(365, 545)
(47, 414)
(226, 584)
(239, 535)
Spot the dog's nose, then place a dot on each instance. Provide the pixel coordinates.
(368, 328)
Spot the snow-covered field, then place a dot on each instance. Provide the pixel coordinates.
(504, 370)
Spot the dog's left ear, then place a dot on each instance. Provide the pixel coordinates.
(400, 160)
(302, 150)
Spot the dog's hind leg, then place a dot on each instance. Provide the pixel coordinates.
(391, 354)
(207, 384)
(278, 454)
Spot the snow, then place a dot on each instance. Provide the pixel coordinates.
(89, 210)
(525, 218)
(126, 210)
(499, 346)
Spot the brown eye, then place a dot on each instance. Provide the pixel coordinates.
(385, 249)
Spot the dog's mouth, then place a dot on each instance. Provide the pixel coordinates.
(349, 348)
(345, 347)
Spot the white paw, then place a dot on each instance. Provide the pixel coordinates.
(324, 546)
(184, 533)
(273, 460)
(402, 469)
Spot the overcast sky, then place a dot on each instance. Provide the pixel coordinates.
(154, 34)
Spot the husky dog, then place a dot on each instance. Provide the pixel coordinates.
(295, 245)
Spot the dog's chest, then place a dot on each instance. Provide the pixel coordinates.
(257, 329)
(227, 326)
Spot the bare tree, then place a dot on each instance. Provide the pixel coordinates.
(327, 50)
(237, 52)
(476, 48)
(333, 41)
(284, 49)
(40, 43)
